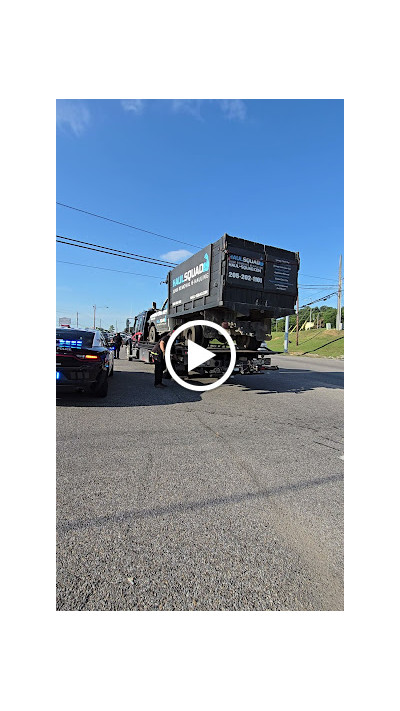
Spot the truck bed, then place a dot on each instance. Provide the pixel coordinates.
(236, 274)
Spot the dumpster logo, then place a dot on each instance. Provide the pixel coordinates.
(194, 272)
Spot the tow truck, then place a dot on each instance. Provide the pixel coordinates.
(235, 283)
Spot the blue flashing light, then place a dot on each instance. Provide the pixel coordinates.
(57, 375)
(68, 343)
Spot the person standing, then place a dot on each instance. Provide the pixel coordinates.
(117, 344)
(158, 354)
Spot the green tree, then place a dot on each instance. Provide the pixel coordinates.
(329, 316)
(111, 329)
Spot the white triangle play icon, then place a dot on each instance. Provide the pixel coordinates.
(197, 355)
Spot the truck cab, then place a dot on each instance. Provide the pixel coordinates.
(158, 323)
(150, 325)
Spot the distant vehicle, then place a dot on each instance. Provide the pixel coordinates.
(125, 338)
(108, 337)
(84, 361)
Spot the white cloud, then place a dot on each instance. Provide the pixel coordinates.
(188, 106)
(135, 105)
(177, 255)
(73, 116)
(233, 109)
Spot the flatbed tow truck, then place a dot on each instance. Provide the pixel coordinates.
(235, 283)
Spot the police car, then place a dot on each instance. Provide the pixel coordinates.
(84, 361)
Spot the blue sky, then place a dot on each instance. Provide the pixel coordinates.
(266, 170)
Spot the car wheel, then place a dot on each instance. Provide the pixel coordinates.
(102, 388)
(152, 334)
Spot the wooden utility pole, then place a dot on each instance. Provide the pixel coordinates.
(297, 322)
(339, 297)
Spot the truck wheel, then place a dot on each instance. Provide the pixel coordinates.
(194, 334)
(152, 334)
(251, 343)
(240, 341)
(248, 342)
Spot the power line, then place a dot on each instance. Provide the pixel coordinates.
(125, 224)
(316, 286)
(150, 276)
(114, 252)
(119, 251)
(324, 298)
(317, 277)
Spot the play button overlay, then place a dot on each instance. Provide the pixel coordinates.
(197, 355)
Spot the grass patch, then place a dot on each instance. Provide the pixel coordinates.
(318, 342)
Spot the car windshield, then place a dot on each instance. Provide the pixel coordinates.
(70, 338)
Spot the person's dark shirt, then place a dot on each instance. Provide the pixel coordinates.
(164, 339)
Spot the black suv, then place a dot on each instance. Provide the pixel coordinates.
(84, 361)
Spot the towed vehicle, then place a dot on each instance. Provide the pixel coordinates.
(84, 361)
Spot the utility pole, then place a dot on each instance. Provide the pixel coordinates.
(297, 322)
(339, 297)
(286, 346)
(94, 314)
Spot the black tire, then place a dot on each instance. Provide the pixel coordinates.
(248, 342)
(102, 388)
(195, 334)
(152, 334)
(252, 344)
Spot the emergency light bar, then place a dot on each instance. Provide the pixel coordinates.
(67, 343)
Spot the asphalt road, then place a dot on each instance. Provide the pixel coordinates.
(225, 500)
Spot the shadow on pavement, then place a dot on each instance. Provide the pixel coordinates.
(131, 389)
(136, 389)
(288, 380)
